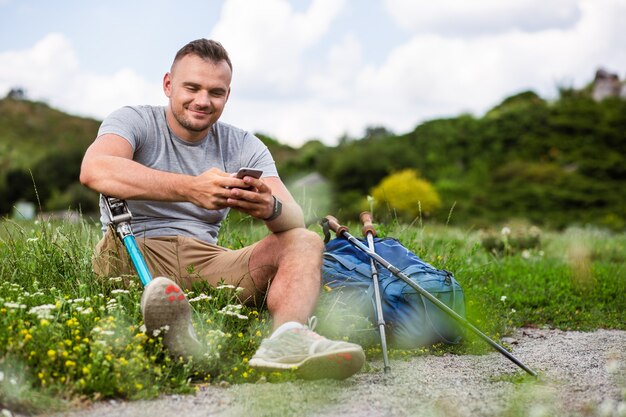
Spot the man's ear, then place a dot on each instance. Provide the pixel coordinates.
(167, 84)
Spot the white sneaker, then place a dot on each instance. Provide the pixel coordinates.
(310, 355)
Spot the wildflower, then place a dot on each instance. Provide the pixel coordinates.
(233, 310)
(14, 306)
(115, 279)
(70, 364)
(52, 353)
(120, 291)
(200, 298)
(505, 231)
(225, 286)
(72, 322)
(503, 298)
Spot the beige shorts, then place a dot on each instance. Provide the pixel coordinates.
(185, 260)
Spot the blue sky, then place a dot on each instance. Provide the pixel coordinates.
(317, 68)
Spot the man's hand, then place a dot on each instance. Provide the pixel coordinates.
(215, 189)
(253, 198)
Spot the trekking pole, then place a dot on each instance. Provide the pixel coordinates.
(120, 217)
(369, 232)
(343, 231)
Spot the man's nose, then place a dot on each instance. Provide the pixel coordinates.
(202, 99)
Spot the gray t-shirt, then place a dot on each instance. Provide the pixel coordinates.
(225, 147)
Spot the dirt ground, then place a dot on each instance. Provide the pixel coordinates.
(581, 374)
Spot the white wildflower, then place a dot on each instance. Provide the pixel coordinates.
(503, 298)
(513, 310)
(43, 311)
(115, 279)
(86, 311)
(233, 310)
(526, 254)
(225, 286)
(142, 328)
(505, 231)
(200, 298)
(120, 291)
(14, 306)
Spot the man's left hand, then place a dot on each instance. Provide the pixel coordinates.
(256, 201)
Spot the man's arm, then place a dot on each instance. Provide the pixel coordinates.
(259, 203)
(291, 216)
(108, 168)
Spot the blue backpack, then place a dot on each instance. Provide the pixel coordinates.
(411, 320)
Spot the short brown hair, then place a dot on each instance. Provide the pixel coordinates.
(204, 48)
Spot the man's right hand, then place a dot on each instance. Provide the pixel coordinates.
(212, 189)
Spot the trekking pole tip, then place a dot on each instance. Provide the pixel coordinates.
(367, 221)
(334, 225)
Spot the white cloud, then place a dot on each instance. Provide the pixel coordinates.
(434, 75)
(268, 40)
(465, 18)
(288, 86)
(50, 71)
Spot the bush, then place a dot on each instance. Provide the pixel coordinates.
(407, 195)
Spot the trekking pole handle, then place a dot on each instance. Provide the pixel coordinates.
(368, 227)
(334, 225)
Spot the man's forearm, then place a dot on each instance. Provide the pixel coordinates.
(290, 218)
(127, 179)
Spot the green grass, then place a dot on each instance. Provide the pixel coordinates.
(67, 336)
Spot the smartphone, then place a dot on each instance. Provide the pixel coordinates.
(249, 172)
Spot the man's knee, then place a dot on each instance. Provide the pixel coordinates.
(303, 239)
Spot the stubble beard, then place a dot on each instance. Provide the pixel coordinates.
(189, 124)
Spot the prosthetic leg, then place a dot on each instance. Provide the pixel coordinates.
(165, 308)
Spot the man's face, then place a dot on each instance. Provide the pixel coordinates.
(198, 90)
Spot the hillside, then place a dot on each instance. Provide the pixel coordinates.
(553, 163)
(37, 139)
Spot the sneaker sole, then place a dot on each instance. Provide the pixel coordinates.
(165, 304)
(335, 365)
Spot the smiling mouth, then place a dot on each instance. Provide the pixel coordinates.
(199, 112)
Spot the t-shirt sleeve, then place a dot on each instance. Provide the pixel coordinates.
(128, 123)
(255, 154)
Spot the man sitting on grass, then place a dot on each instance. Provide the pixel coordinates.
(175, 166)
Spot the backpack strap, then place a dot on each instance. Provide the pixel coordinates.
(351, 266)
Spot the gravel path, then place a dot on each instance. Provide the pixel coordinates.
(581, 374)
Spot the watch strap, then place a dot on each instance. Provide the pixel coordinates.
(278, 209)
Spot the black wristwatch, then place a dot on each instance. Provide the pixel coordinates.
(278, 208)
